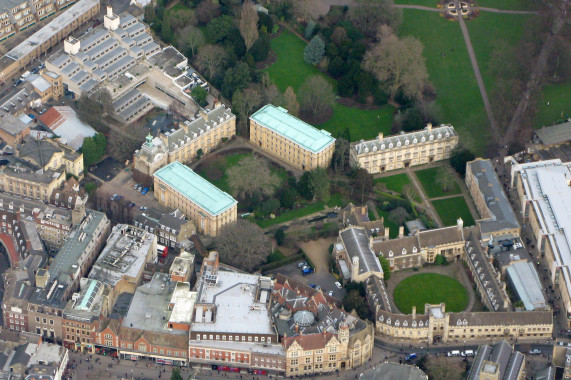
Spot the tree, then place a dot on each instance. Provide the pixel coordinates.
(314, 185)
(91, 111)
(235, 79)
(340, 160)
(368, 14)
(206, 11)
(440, 260)
(193, 39)
(261, 48)
(439, 368)
(458, 159)
(314, 51)
(280, 236)
(200, 95)
(353, 300)
(409, 191)
(363, 182)
(243, 245)
(309, 29)
(288, 197)
(252, 174)
(244, 102)
(176, 374)
(445, 180)
(398, 64)
(93, 149)
(210, 58)
(90, 187)
(123, 145)
(199, 153)
(290, 100)
(316, 96)
(399, 215)
(339, 35)
(386, 267)
(248, 24)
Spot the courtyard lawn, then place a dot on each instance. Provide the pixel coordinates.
(290, 215)
(457, 91)
(450, 209)
(431, 288)
(428, 179)
(395, 182)
(290, 69)
(518, 5)
(488, 28)
(559, 108)
(363, 124)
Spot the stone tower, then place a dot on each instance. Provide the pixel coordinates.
(354, 268)
(343, 332)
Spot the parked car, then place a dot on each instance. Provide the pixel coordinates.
(410, 356)
(453, 353)
(132, 204)
(467, 353)
(114, 196)
(145, 191)
(143, 208)
(535, 351)
(312, 286)
(135, 186)
(338, 285)
(330, 293)
(307, 271)
(301, 264)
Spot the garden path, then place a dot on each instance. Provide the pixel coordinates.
(425, 200)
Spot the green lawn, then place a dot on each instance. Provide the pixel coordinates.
(290, 215)
(393, 227)
(426, 3)
(337, 200)
(485, 30)
(395, 182)
(519, 5)
(430, 288)
(223, 165)
(451, 209)
(290, 69)
(363, 124)
(559, 108)
(457, 91)
(428, 179)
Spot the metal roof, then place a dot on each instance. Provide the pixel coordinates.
(186, 182)
(280, 121)
(526, 283)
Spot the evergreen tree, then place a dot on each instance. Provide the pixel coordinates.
(314, 50)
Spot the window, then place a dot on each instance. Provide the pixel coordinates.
(142, 348)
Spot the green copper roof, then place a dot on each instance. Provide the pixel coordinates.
(280, 121)
(186, 182)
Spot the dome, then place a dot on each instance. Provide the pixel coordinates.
(303, 318)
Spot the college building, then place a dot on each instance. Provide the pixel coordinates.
(402, 151)
(291, 140)
(203, 133)
(179, 187)
(544, 193)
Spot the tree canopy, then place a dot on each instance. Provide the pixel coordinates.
(243, 245)
(252, 174)
(314, 50)
(93, 149)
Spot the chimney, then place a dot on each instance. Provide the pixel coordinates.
(109, 11)
(401, 232)
(380, 136)
(460, 223)
(413, 312)
(429, 127)
(217, 103)
(296, 328)
(387, 233)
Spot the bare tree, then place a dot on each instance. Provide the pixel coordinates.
(244, 102)
(290, 100)
(316, 95)
(206, 11)
(210, 58)
(193, 38)
(368, 14)
(399, 215)
(398, 64)
(248, 24)
(440, 368)
(445, 180)
(250, 175)
(122, 146)
(243, 245)
(409, 192)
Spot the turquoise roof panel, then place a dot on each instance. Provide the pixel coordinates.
(192, 186)
(280, 121)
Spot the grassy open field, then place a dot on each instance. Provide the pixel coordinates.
(290, 69)
(395, 182)
(427, 178)
(457, 91)
(290, 215)
(430, 288)
(518, 5)
(559, 108)
(450, 209)
(485, 32)
(363, 124)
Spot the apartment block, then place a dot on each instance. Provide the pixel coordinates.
(291, 140)
(204, 133)
(178, 187)
(402, 151)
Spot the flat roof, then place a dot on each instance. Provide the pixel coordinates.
(280, 121)
(51, 29)
(526, 283)
(186, 182)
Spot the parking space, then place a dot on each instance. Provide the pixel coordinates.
(122, 185)
(323, 279)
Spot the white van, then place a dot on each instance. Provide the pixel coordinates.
(468, 353)
(454, 353)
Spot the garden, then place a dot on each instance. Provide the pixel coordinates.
(437, 182)
(450, 209)
(431, 288)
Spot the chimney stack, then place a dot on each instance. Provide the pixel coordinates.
(381, 136)
(429, 127)
(413, 312)
(401, 232)
(387, 233)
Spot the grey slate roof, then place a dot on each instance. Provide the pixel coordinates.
(357, 244)
(394, 371)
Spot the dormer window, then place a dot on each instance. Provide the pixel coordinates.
(406, 142)
(413, 249)
(382, 146)
(390, 253)
(390, 145)
(431, 137)
(423, 139)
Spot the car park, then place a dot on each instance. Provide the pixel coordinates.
(338, 285)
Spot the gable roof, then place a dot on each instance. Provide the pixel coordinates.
(308, 342)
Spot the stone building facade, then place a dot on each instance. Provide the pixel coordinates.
(405, 150)
(291, 140)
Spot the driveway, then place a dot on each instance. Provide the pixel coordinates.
(323, 279)
(123, 184)
(318, 252)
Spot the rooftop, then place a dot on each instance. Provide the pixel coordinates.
(280, 121)
(127, 251)
(556, 134)
(394, 371)
(11, 124)
(527, 285)
(501, 357)
(502, 216)
(186, 182)
(85, 306)
(356, 242)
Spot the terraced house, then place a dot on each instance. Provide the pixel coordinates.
(402, 151)
(289, 139)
